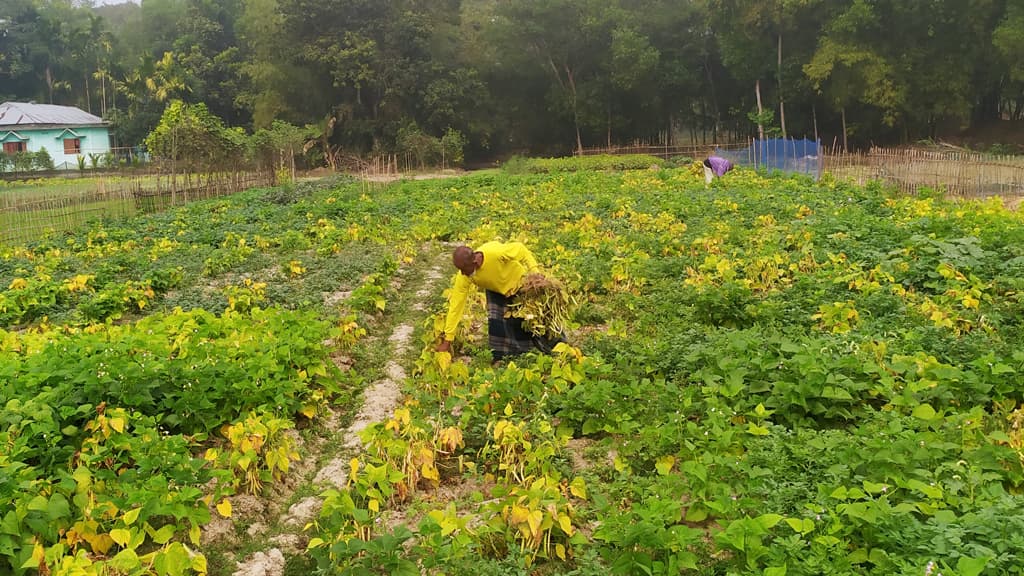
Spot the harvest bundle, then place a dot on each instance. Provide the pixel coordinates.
(544, 305)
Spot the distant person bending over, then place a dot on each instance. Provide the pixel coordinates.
(715, 166)
(499, 268)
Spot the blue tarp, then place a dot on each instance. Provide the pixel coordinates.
(787, 155)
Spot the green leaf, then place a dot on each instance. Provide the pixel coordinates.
(924, 412)
(872, 488)
(10, 524)
(173, 561)
(164, 534)
(696, 513)
(858, 556)
(999, 436)
(801, 525)
(775, 571)
(58, 507)
(970, 566)
(38, 504)
(933, 492)
(757, 430)
(126, 560)
(768, 521)
(1002, 369)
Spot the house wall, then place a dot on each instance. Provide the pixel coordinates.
(94, 140)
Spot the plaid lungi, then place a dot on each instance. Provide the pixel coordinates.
(506, 336)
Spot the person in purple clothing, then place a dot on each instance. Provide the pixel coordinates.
(715, 166)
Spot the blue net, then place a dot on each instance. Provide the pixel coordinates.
(787, 155)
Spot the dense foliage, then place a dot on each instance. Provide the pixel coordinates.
(538, 75)
(769, 376)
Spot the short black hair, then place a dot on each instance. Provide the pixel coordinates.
(707, 162)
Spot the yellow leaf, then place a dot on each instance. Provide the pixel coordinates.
(518, 514)
(315, 543)
(309, 411)
(130, 516)
(224, 508)
(444, 360)
(429, 472)
(101, 544)
(534, 520)
(199, 563)
(38, 554)
(565, 523)
(560, 551)
(373, 505)
(353, 465)
(578, 487)
(121, 536)
(117, 423)
(194, 534)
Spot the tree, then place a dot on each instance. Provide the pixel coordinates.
(190, 137)
(566, 38)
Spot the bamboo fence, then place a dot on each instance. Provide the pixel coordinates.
(958, 173)
(28, 213)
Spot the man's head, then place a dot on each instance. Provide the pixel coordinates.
(466, 260)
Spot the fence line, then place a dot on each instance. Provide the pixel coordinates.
(27, 213)
(958, 173)
(664, 152)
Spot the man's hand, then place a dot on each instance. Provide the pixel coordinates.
(444, 346)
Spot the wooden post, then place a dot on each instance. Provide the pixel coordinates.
(760, 127)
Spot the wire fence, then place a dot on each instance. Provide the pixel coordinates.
(787, 155)
(32, 210)
(957, 173)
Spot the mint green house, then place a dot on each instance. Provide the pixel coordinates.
(65, 131)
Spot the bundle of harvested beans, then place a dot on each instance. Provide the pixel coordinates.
(544, 305)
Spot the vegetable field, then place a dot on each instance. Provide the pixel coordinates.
(768, 376)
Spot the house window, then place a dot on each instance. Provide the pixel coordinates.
(72, 146)
(14, 147)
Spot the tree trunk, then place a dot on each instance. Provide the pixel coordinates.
(575, 109)
(814, 115)
(714, 102)
(843, 112)
(88, 96)
(782, 103)
(609, 125)
(49, 83)
(760, 127)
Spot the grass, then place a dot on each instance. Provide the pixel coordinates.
(30, 209)
(18, 226)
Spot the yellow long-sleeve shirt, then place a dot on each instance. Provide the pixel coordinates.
(502, 271)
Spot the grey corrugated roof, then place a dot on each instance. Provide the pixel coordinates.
(24, 114)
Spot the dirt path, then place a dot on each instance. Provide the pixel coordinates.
(379, 401)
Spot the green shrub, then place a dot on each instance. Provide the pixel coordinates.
(518, 165)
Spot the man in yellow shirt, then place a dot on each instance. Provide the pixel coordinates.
(498, 268)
